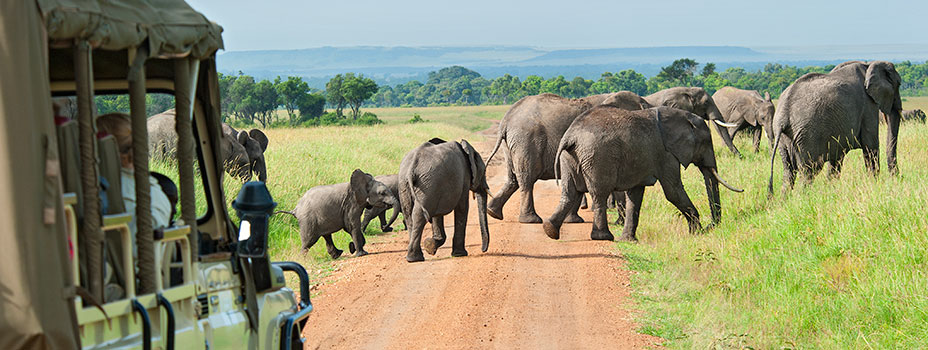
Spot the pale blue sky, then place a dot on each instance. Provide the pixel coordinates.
(295, 24)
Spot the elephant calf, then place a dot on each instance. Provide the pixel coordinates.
(381, 211)
(609, 149)
(434, 180)
(324, 210)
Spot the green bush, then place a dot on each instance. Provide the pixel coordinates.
(368, 118)
(416, 119)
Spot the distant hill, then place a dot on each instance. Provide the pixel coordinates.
(396, 65)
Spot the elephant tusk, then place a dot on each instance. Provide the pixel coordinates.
(730, 187)
(727, 125)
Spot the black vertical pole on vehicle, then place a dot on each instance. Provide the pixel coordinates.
(164, 302)
(144, 239)
(91, 238)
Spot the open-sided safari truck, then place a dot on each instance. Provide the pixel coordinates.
(65, 238)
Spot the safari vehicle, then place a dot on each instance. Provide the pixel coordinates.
(219, 291)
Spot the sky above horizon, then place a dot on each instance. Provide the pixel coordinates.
(293, 24)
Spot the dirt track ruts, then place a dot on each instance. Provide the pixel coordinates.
(526, 292)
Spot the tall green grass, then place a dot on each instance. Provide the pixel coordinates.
(837, 264)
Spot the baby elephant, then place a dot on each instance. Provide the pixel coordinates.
(434, 180)
(381, 211)
(326, 209)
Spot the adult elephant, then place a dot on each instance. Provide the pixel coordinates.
(242, 152)
(748, 110)
(532, 129)
(434, 180)
(913, 115)
(609, 149)
(821, 117)
(697, 101)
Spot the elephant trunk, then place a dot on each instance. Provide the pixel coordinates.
(482, 218)
(712, 191)
(892, 138)
(716, 116)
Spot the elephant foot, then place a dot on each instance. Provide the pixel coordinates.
(459, 252)
(351, 247)
(601, 235)
(574, 219)
(430, 245)
(386, 229)
(360, 253)
(336, 253)
(628, 238)
(495, 213)
(530, 218)
(415, 257)
(553, 232)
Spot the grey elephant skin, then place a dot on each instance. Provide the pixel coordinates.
(242, 152)
(532, 129)
(391, 181)
(916, 115)
(697, 101)
(434, 180)
(324, 210)
(748, 110)
(820, 117)
(610, 149)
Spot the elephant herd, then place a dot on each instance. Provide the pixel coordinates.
(611, 146)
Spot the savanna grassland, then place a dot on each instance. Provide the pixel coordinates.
(836, 264)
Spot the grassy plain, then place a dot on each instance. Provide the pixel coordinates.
(838, 264)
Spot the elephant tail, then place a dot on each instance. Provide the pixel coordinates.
(416, 201)
(566, 143)
(286, 212)
(499, 141)
(773, 156)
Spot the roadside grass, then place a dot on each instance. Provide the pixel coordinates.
(836, 264)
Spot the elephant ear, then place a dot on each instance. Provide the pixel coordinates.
(678, 135)
(477, 167)
(358, 184)
(260, 137)
(882, 84)
(767, 97)
(684, 100)
(242, 137)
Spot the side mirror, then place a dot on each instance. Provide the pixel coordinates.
(254, 207)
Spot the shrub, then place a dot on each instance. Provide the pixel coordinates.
(368, 118)
(416, 119)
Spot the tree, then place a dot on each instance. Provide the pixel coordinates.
(708, 69)
(333, 94)
(355, 90)
(266, 102)
(554, 85)
(311, 106)
(680, 71)
(291, 93)
(532, 85)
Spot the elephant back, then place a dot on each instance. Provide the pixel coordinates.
(162, 137)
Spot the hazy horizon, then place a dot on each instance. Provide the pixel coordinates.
(291, 24)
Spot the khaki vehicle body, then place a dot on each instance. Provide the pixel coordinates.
(209, 294)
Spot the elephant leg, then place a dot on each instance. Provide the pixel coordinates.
(384, 225)
(633, 201)
(757, 135)
(610, 203)
(369, 214)
(438, 235)
(583, 203)
(528, 214)
(811, 169)
(415, 227)
(600, 230)
(570, 202)
(460, 227)
(676, 195)
(358, 241)
(619, 198)
(789, 164)
(495, 206)
(726, 138)
(330, 247)
(309, 239)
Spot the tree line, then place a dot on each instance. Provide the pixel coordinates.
(461, 86)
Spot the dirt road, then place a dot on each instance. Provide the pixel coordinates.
(526, 292)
